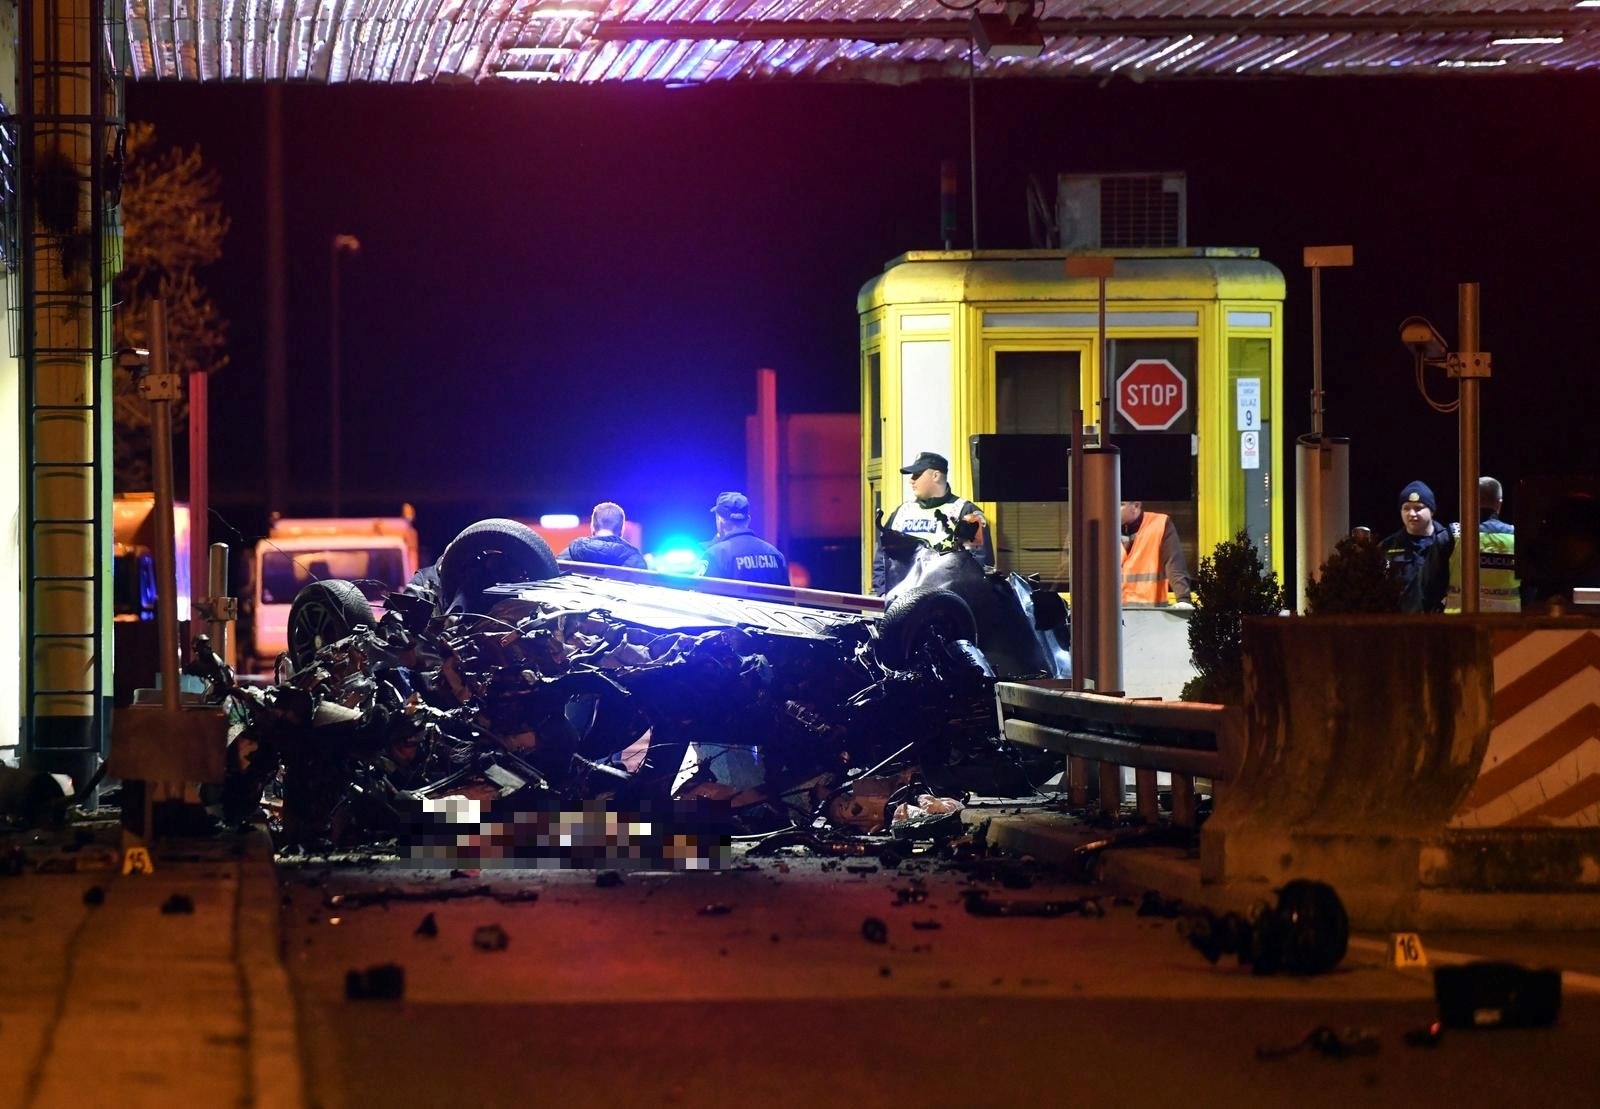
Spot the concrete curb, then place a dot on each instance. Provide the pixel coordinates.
(276, 1075)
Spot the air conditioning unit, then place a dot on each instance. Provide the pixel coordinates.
(1122, 210)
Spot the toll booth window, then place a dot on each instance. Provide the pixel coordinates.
(1250, 457)
(926, 419)
(374, 571)
(1037, 392)
(874, 413)
(1156, 394)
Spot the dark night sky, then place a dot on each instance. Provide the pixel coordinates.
(563, 293)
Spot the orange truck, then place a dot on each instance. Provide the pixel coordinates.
(379, 554)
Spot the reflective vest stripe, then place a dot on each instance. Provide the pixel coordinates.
(1498, 588)
(1143, 577)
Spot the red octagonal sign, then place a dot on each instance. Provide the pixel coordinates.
(1152, 394)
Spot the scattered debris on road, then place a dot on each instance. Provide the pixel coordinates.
(178, 904)
(1306, 932)
(1337, 1043)
(490, 937)
(1496, 995)
(383, 982)
(979, 903)
(427, 893)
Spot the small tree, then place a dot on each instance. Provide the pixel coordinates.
(1231, 585)
(1356, 578)
(172, 226)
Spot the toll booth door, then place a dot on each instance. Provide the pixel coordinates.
(1037, 392)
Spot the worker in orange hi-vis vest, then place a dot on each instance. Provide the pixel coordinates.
(1152, 558)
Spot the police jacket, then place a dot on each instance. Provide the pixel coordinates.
(1498, 587)
(915, 520)
(609, 550)
(745, 556)
(1422, 565)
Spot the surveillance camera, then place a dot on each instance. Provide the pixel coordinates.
(1423, 339)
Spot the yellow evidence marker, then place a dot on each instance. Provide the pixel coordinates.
(136, 860)
(1405, 950)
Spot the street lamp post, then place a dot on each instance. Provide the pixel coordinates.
(341, 244)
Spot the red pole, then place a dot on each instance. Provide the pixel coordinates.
(768, 510)
(199, 499)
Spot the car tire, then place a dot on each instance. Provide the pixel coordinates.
(913, 614)
(324, 612)
(493, 552)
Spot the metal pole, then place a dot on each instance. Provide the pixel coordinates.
(1316, 351)
(1467, 319)
(336, 439)
(1102, 496)
(1105, 371)
(972, 135)
(166, 557)
(277, 390)
(1322, 462)
(1077, 579)
(216, 591)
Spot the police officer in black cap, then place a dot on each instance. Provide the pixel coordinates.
(916, 522)
(739, 553)
(1419, 553)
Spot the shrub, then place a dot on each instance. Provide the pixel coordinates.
(1231, 585)
(1355, 578)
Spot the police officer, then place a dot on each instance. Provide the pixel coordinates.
(1498, 588)
(914, 523)
(604, 543)
(1419, 552)
(739, 553)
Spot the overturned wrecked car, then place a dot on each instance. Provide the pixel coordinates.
(499, 683)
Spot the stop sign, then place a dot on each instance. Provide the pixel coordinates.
(1152, 394)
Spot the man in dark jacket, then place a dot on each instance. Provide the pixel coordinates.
(739, 553)
(1419, 553)
(604, 543)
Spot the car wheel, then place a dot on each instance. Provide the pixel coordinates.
(324, 612)
(912, 615)
(493, 552)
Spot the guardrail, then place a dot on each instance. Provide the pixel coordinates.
(1186, 739)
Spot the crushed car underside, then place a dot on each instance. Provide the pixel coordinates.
(473, 695)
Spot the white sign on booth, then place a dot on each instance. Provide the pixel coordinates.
(1247, 395)
(1250, 450)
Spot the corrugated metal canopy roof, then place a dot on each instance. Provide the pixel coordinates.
(891, 41)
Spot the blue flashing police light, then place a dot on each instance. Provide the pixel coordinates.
(678, 555)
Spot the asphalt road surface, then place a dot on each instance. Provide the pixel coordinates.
(756, 986)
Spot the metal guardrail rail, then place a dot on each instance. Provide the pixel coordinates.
(1185, 739)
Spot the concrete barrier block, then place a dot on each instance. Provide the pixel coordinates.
(1362, 735)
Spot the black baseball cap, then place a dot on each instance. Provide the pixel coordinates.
(732, 506)
(927, 460)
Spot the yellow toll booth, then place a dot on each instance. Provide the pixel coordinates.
(962, 343)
